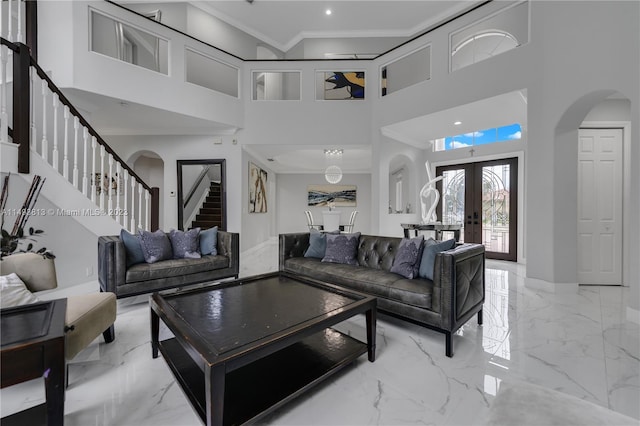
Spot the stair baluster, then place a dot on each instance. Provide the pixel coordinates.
(76, 126)
(125, 182)
(4, 117)
(109, 182)
(101, 177)
(45, 143)
(32, 91)
(118, 183)
(133, 204)
(54, 153)
(94, 142)
(147, 209)
(85, 148)
(65, 152)
(140, 205)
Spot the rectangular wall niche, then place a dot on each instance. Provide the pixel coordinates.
(406, 71)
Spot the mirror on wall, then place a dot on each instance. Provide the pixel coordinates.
(201, 194)
(401, 196)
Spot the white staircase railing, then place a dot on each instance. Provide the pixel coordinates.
(87, 162)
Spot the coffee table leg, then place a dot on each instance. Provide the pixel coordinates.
(54, 381)
(371, 332)
(214, 393)
(155, 331)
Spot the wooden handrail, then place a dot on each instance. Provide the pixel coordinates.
(85, 123)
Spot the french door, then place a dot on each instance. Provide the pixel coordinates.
(483, 197)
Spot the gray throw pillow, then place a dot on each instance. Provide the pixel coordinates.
(342, 248)
(155, 246)
(209, 241)
(318, 243)
(431, 248)
(408, 257)
(132, 248)
(185, 245)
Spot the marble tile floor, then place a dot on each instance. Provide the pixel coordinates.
(579, 344)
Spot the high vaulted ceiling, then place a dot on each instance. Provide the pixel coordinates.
(283, 23)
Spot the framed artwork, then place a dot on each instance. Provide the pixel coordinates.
(339, 195)
(257, 189)
(343, 85)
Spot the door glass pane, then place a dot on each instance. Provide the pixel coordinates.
(495, 207)
(453, 199)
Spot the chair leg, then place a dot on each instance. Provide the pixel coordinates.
(480, 317)
(448, 336)
(109, 334)
(66, 375)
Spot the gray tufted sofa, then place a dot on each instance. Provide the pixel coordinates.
(142, 278)
(444, 304)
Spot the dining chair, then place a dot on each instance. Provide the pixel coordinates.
(310, 223)
(348, 228)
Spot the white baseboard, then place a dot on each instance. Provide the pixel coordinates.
(559, 288)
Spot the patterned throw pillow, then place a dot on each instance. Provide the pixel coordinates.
(431, 248)
(342, 248)
(407, 260)
(155, 246)
(209, 241)
(185, 245)
(132, 248)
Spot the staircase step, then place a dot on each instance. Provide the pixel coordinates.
(210, 199)
(211, 217)
(214, 210)
(205, 224)
(212, 205)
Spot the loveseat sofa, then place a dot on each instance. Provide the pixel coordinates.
(141, 278)
(445, 303)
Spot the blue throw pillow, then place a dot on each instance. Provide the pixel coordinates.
(155, 246)
(342, 248)
(317, 244)
(408, 257)
(185, 245)
(132, 248)
(209, 241)
(431, 248)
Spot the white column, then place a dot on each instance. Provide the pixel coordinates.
(56, 105)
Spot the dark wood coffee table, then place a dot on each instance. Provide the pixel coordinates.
(244, 348)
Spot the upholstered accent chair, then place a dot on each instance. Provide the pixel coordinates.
(88, 315)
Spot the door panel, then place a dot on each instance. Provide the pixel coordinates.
(483, 197)
(600, 206)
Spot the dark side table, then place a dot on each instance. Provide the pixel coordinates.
(32, 346)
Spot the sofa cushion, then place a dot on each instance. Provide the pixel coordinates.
(209, 241)
(185, 244)
(407, 260)
(342, 248)
(431, 248)
(13, 292)
(155, 246)
(174, 267)
(132, 247)
(415, 292)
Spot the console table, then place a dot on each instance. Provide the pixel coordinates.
(438, 228)
(32, 346)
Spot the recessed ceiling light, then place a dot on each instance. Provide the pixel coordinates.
(457, 123)
(327, 12)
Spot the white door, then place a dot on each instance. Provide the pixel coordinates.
(600, 206)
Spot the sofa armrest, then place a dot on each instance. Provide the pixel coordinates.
(229, 245)
(459, 274)
(292, 245)
(112, 263)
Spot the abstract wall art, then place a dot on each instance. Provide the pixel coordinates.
(339, 195)
(257, 189)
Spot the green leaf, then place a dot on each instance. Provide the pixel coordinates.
(38, 231)
(29, 247)
(20, 232)
(31, 230)
(5, 234)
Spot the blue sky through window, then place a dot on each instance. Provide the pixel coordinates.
(482, 137)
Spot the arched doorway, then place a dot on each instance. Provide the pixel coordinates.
(150, 167)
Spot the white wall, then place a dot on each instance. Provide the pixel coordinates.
(292, 201)
(173, 148)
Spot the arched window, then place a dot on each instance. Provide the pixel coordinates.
(481, 46)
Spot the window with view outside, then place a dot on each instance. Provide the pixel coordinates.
(480, 137)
